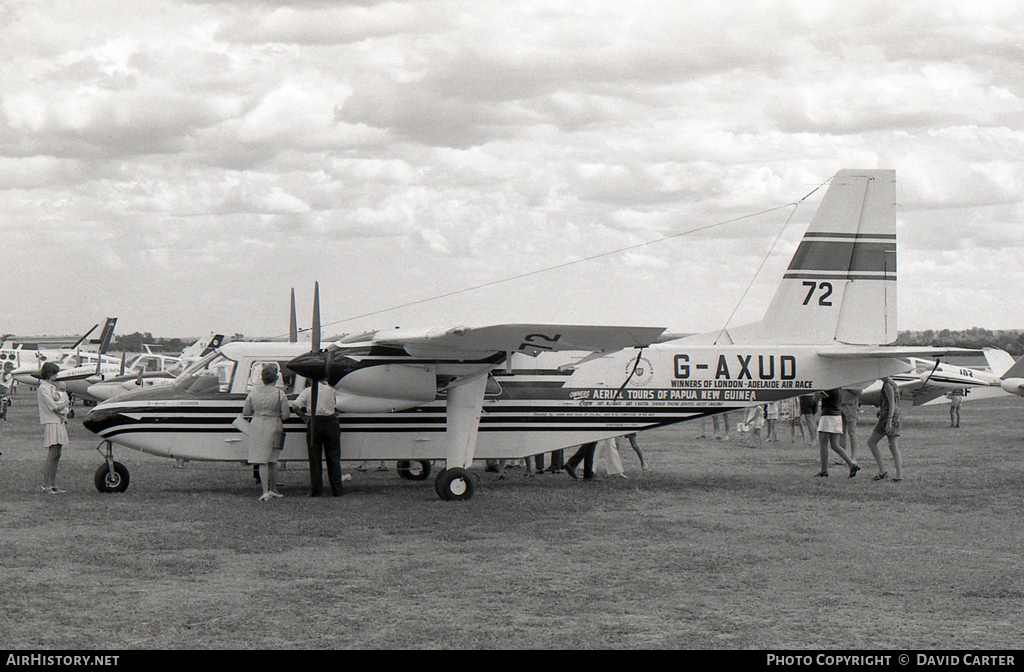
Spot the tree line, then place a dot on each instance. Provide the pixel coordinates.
(1011, 340)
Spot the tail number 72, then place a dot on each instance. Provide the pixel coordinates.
(826, 291)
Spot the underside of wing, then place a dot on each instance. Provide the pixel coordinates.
(529, 339)
(896, 351)
(928, 393)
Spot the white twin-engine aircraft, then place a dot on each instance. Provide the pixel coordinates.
(516, 390)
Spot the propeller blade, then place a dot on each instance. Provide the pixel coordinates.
(316, 317)
(120, 371)
(79, 342)
(293, 324)
(930, 373)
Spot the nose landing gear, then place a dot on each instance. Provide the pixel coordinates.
(111, 476)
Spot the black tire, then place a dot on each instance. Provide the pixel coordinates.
(116, 482)
(413, 470)
(437, 484)
(456, 485)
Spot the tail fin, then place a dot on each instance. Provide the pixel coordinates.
(103, 342)
(999, 360)
(1015, 371)
(841, 283)
(202, 347)
(293, 324)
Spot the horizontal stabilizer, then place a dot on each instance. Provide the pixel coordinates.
(897, 351)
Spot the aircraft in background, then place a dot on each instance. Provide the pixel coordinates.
(74, 362)
(15, 355)
(149, 369)
(515, 390)
(929, 380)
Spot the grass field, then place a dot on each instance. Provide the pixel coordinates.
(719, 546)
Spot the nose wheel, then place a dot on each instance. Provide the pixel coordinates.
(111, 476)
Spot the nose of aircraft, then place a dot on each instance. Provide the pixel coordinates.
(98, 418)
(312, 365)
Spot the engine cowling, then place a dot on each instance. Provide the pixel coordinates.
(1013, 385)
(384, 388)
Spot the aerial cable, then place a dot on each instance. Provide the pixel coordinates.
(580, 261)
(768, 254)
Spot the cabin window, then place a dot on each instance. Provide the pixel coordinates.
(285, 378)
(213, 373)
(148, 364)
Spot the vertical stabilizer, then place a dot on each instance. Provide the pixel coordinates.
(841, 283)
(103, 342)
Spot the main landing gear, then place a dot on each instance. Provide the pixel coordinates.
(413, 470)
(455, 484)
(111, 476)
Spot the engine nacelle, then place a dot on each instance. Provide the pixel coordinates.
(384, 388)
(1013, 385)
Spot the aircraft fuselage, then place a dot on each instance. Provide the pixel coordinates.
(532, 404)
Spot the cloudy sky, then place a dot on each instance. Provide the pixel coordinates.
(182, 165)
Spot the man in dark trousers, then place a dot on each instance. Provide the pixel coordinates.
(323, 438)
(586, 454)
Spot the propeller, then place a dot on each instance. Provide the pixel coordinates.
(314, 349)
(930, 373)
(293, 326)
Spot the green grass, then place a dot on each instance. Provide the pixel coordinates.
(719, 546)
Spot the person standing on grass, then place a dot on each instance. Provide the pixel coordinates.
(830, 428)
(267, 407)
(585, 453)
(754, 422)
(326, 444)
(849, 406)
(53, 416)
(636, 449)
(956, 397)
(889, 427)
(808, 409)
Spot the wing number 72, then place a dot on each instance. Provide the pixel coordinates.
(826, 291)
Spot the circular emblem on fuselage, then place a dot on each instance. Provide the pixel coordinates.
(642, 373)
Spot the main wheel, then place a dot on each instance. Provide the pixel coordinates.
(455, 484)
(112, 482)
(413, 470)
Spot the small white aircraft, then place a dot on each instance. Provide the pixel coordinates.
(14, 356)
(149, 369)
(515, 390)
(929, 380)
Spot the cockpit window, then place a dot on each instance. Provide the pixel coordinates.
(212, 373)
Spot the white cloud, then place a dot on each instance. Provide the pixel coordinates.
(416, 148)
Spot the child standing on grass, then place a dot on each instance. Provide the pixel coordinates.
(53, 416)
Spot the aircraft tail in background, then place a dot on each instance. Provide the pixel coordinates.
(103, 342)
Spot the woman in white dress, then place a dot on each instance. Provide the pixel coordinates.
(267, 406)
(53, 416)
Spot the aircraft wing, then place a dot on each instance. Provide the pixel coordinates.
(928, 393)
(531, 339)
(900, 352)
